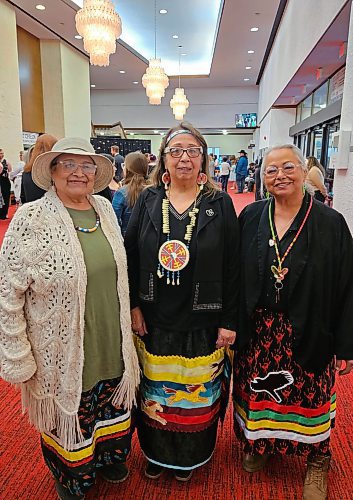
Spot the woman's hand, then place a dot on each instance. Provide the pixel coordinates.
(348, 367)
(138, 324)
(225, 337)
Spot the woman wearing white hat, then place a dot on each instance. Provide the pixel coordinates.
(65, 333)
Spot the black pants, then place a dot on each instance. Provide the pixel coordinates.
(5, 186)
(224, 181)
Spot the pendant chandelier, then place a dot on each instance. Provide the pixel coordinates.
(99, 25)
(179, 102)
(155, 79)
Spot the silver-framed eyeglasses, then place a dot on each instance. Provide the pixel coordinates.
(71, 166)
(192, 152)
(287, 168)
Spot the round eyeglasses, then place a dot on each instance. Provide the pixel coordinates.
(192, 152)
(71, 166)
(287, 168)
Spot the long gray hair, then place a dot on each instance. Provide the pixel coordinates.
(291, 147)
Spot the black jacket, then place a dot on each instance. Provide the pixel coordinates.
(320, 281)
(29, 190)
(216, 272)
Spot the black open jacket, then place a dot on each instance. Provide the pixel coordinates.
(216, 273)
(320, 302)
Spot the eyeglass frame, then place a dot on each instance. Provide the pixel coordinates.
(77, 165)
(281, 168)
(199, 148)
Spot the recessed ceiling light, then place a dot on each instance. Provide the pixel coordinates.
(163, 11)
(156, 131)
(246, 79)
(247, 67)
(78, 37)
(132, 133)
(224, 132)
(102, 133)
(251, 51)
(135, 83)
(183, 54)
(122, 71)
(40, 7)
(254, 29)
(175, 36)
(93, 85)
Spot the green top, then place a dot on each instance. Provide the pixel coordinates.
(102, 340)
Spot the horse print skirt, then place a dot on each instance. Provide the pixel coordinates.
(183, 393)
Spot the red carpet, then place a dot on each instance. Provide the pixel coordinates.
(25, 477)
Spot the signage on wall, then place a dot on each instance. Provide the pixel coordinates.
(337, 84)
(29, 138)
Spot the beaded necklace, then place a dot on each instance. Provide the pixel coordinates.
(89, 229)
(174, 255)
(280, 272)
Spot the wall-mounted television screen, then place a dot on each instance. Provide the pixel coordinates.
(246, 120)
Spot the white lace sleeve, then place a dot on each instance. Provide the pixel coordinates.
(17, 363)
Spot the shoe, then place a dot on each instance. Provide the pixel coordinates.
(116, 473)
(153, 471)
(183, 475)
(255, 463)
(315, 484)
(64, 494)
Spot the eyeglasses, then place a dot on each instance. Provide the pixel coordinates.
(70, 166)
(287, 168)
(192, 152)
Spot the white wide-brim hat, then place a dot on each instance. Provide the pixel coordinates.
(41, 172)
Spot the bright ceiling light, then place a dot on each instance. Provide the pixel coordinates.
(156, 131)
(163, 11)
(254, 29)
(40, 7)
(135, 83)
(78, 37)
(246, 79)
(183, 54)
(251, 52)
(93, 85)
(179, 104)
(122, 71)
(132, 133)
(247, 67)
(99, 25)
(224, 132)
(175, 36)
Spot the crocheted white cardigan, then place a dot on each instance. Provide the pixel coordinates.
(42, 303)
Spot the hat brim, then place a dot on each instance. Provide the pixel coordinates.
(41, 172)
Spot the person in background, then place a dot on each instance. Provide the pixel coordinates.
(241, 170)
(118, 162)
(180, 242)
(152, 164)
(257, 177)
(295, 321)
(16, 178)
(136, 167)
(211, 165)
(225, 170)
(29, 190)
(65, 330)
(5, 185)
(250, 180)
(315, 178)
(233, 163)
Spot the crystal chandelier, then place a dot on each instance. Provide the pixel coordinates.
(155, 79)
(179, 102)
(99, 25)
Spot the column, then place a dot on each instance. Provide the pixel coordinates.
(343, 181)
(10, 100)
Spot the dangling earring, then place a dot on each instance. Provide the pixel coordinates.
(201, 180)
(267, 195)
(303, 189)
(166, 180)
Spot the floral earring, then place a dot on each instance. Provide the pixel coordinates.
(166, 180)
(201, 180)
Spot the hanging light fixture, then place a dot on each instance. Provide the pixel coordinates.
(99, 25)
(179, 102)
(155, 79)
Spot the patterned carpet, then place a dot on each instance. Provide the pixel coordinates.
(25, 477)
